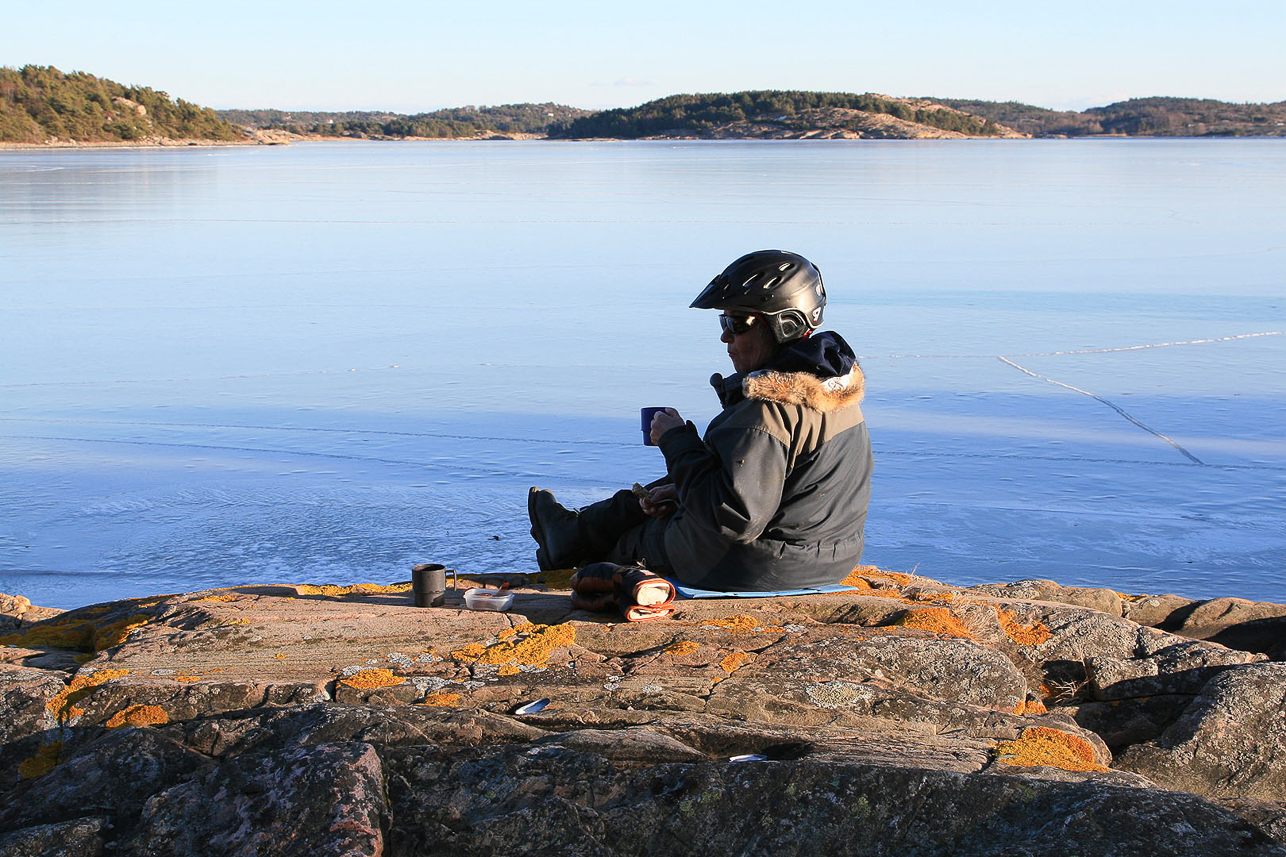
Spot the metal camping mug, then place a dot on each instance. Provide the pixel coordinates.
(429, 583)
(645, 416)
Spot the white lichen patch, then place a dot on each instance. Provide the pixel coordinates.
(427, 684)
(837, 694)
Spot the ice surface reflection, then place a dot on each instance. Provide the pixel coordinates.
(329, 363)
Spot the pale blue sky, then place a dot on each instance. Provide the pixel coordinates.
(416, 56)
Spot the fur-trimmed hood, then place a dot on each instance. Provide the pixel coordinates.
(804, 388)
(819, 372)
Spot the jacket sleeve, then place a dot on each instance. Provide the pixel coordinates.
(730, 483)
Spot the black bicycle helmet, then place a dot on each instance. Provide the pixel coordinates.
(785, 288)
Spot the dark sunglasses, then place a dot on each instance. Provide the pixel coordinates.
(737, 324)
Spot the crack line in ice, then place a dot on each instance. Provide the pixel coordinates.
(1080, 351)
(1114, 407)
(1154, 345)
(917, 453)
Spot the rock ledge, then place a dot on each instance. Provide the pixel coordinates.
(906, 717)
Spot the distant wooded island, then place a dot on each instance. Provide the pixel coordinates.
(40, 105)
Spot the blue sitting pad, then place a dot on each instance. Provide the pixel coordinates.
(693, 592)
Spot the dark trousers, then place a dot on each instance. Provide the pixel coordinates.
(618, 530)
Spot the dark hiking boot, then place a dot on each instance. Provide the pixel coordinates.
(555, 530)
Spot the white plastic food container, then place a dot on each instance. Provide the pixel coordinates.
(488, 599)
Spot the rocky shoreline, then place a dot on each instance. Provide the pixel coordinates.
(905, 717)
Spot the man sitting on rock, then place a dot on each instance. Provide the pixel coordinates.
(774, 496)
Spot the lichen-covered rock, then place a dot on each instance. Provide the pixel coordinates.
(327, 799)
(1103, 600)
(24, 701)
(269, 729)
(17, 611)
(905, 717)
(1254, 626)
(79, 837)
(1184, 667)
(113, 775)
(801, 672)
(556, 800)
(185, 701)
(28, 725)
(1230, 742)
(1154, 610)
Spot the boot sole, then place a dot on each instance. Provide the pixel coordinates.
(537, 532)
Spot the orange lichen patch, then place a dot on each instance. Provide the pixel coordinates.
(1040, 745)
(186, 678)
(936, 620)
(507, 633)
(735, 661)
(469, 653)
(139, 715)
(115, 633)
(682, 648)
(537, 643)
(224, 597)
(356, 589)
(1031, 706)
(46, 758)
(741, 623)
(441, 699)
(863, 574)
(371, 679)
(63, 705)
(508, 669)
(280, 656)
(1024, 635)
(77, 633)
